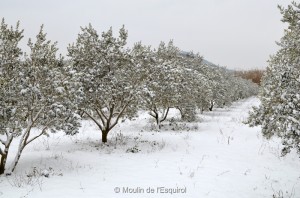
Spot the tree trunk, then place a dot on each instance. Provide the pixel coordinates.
(104, 136)
(158, 124)
(4, 154)
(157, 121)
(156, 117)
(211, 106)
(2, 163)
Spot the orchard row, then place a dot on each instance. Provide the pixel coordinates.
(101, 79)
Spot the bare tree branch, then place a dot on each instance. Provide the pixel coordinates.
(152, 114)
(100, 114)
(111, 112)
(29, 127)
(105, 117)
(120, 114)
(43, 131)
(100, 109)
(90, 116)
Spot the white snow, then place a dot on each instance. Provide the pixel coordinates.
(60, 89)
(219, 157)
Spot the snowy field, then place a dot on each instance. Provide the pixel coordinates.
(218, 156)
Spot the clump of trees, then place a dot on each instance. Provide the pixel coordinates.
(279, 111)
(103, 80)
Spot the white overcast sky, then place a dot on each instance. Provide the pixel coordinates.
(234, 33)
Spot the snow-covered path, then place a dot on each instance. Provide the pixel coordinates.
(217, 157)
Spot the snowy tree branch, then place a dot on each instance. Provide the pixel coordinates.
(153, 114)
(96, 122)
(111, 111)
(2, 141)
(26, 134)
(100, 109)
(33, 138)
(43, 131)
(103, 114)
(7, 133)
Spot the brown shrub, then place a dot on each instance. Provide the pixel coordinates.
(255, 75)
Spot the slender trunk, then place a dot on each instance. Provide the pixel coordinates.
(2, 163)
(24, 139)
(4, 154)
(156, 116)
(158, 124)
(211, 106)
(21, 147)
(157, 119)
(16, 161)
(23, 143)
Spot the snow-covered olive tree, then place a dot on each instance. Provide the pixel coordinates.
(218, 88)
(194, 89)
(37, 101)
(202, 86)
(279, 111)
(106, 76)
(164, 81)
(11, 121)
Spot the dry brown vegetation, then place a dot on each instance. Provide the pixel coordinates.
(255, 75)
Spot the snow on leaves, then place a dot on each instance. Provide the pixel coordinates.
(103, 80)
(279, 112)
(32, 93)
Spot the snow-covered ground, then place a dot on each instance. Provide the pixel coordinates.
(218, 156)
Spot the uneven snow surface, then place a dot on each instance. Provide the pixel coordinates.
(218, 156)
